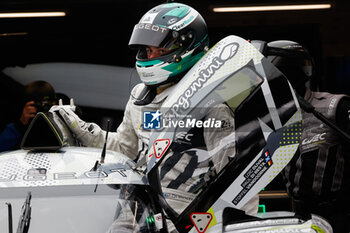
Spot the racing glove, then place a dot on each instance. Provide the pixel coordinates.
(87, 133)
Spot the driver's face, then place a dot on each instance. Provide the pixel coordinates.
(154, 52)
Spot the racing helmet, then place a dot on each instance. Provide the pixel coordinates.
(293, 60)
(179, 29)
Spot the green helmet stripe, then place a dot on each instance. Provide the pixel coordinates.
(186, 63)
(148, 63)
(172, 4)
(178, 12)
(205, 37)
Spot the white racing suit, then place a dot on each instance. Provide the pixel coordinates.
(131, 140)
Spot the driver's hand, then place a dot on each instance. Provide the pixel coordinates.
(84, 131)
(70, 118)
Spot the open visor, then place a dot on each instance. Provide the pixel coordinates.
(151, 35)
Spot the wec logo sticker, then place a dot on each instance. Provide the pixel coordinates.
(316, 138)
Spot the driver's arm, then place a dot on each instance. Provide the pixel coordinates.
(124, 140)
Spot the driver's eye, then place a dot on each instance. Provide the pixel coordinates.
(148, 50)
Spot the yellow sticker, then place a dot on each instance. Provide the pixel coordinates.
(213, 221)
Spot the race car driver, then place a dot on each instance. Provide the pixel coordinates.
(170, 39)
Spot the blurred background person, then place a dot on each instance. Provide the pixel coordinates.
(39, 96)
(317, 177)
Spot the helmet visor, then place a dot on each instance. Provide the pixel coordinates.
(151, 35)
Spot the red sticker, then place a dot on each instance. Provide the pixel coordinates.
(160, 146)
(201, 221)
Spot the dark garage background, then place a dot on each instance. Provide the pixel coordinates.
(98, 31)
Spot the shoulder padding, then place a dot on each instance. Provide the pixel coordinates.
(137, 90)
(143, 94)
